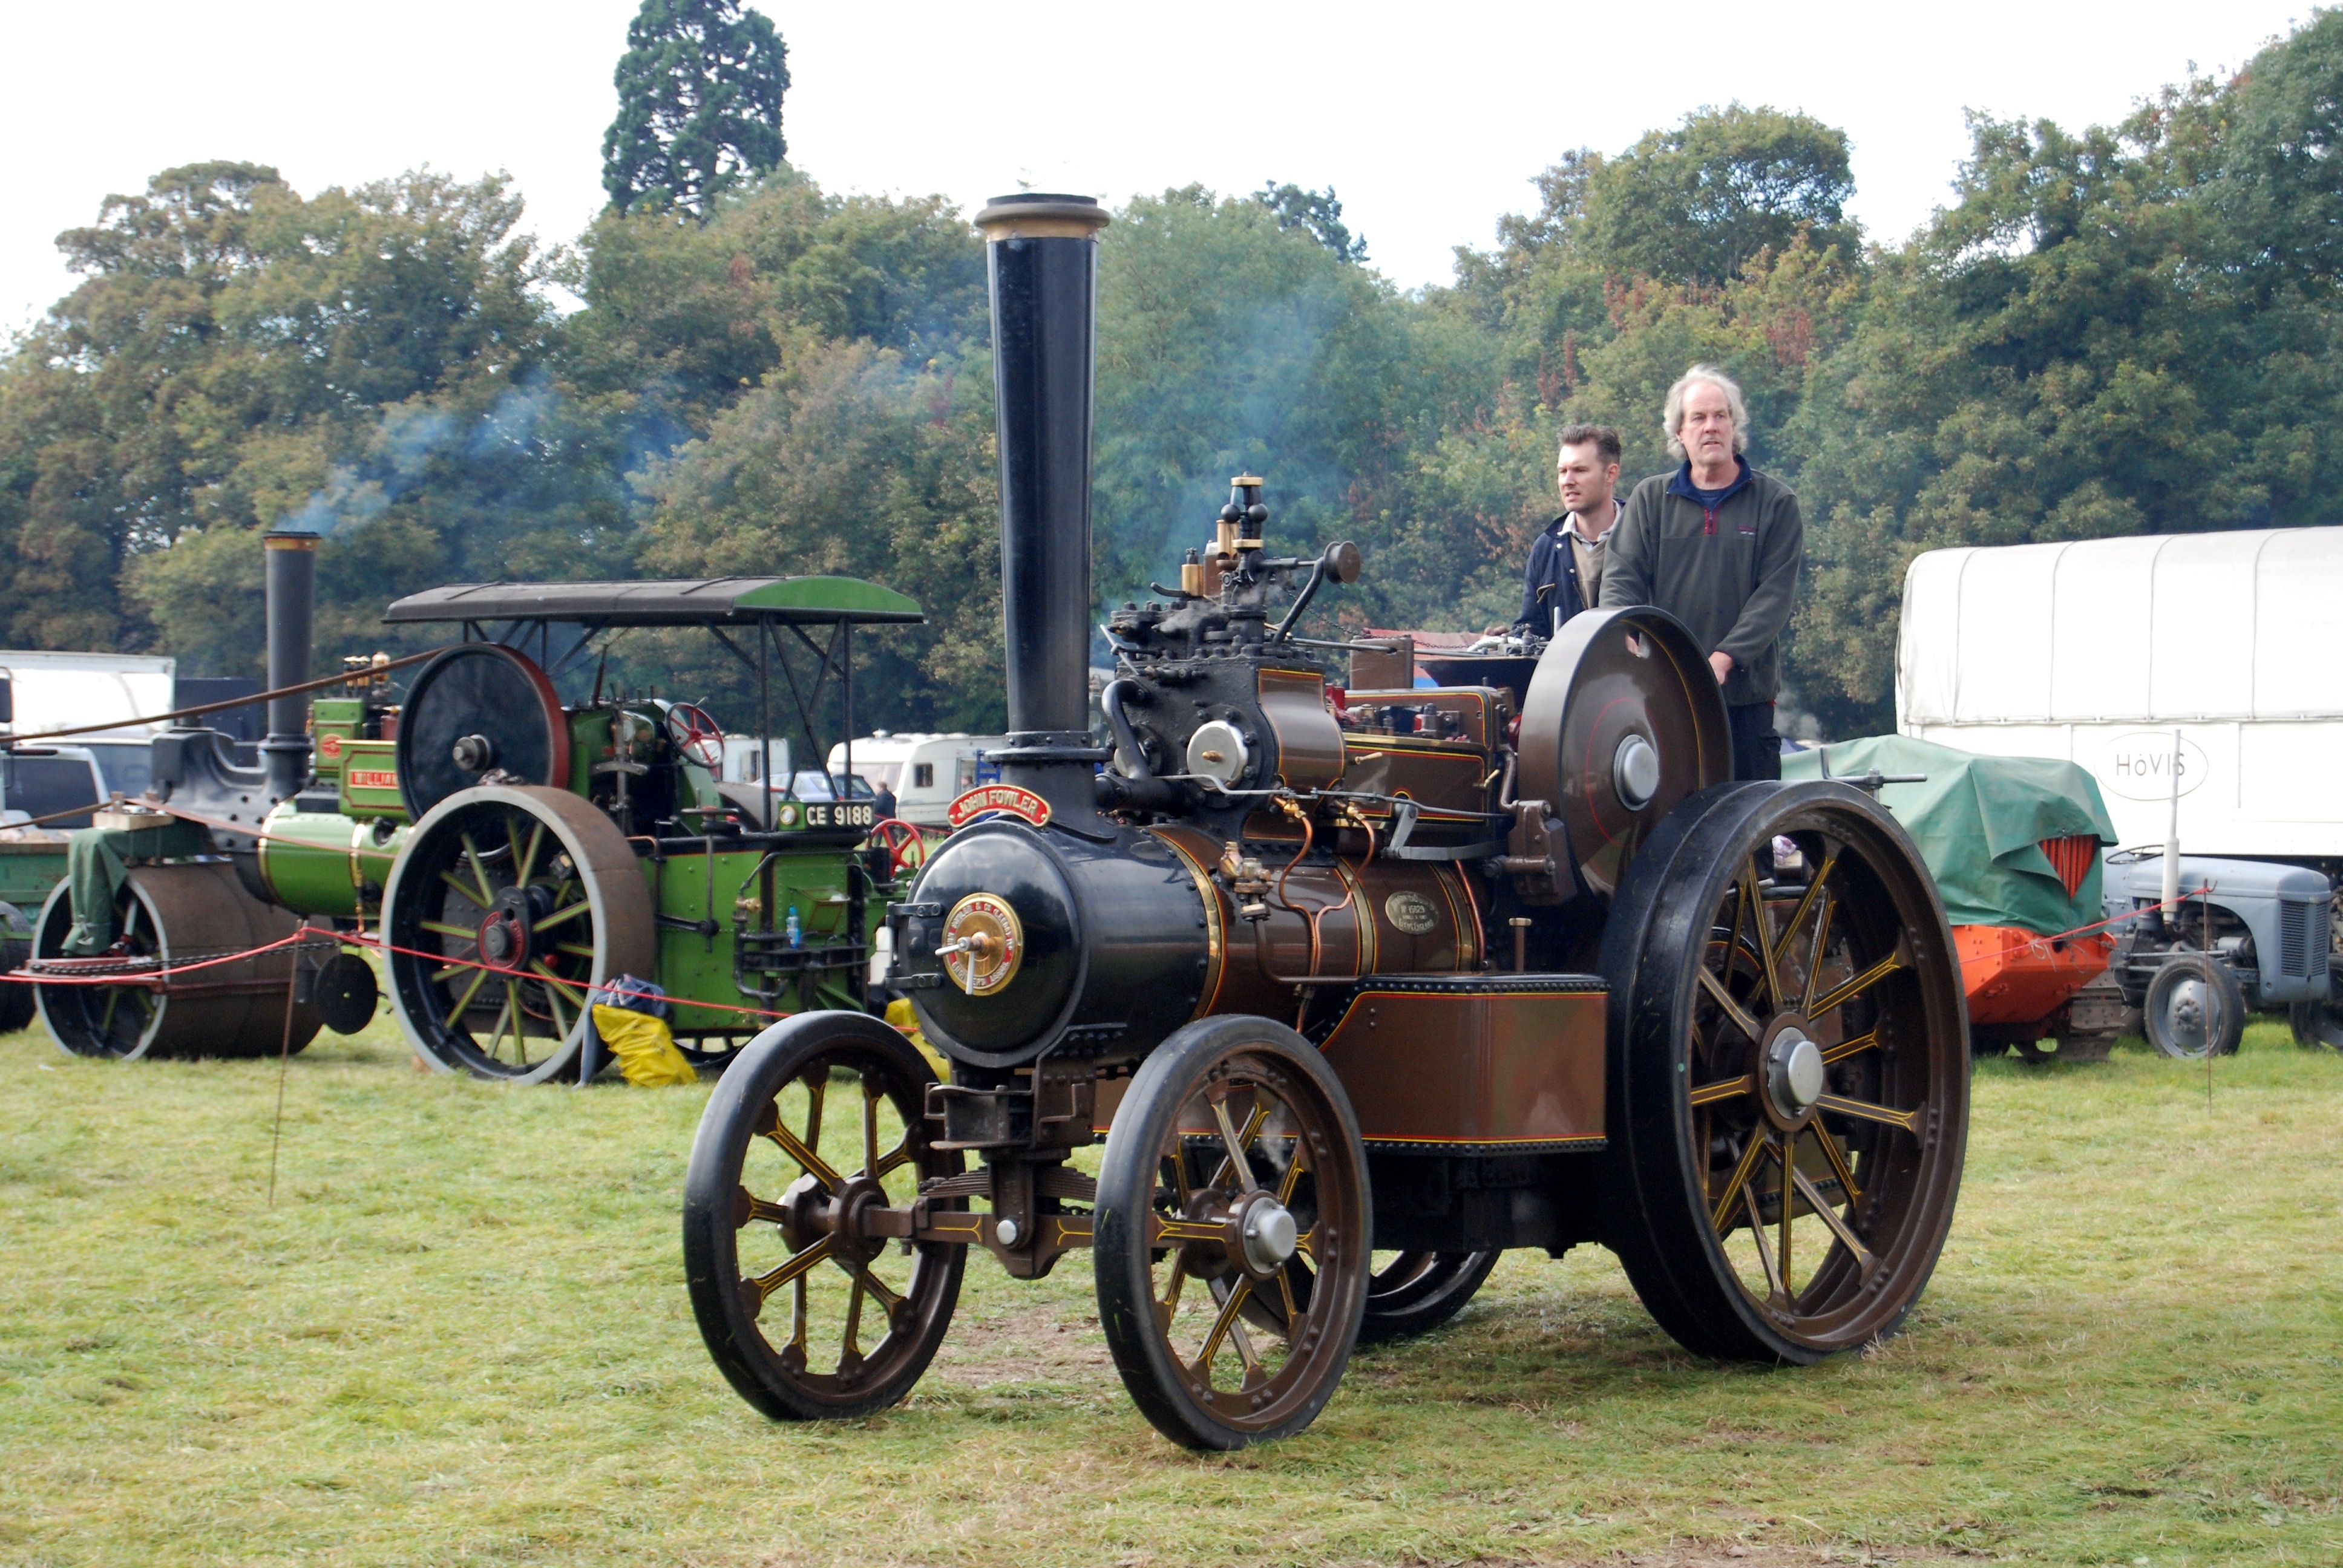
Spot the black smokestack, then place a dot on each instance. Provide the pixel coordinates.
(292, 557)
(1043, 259)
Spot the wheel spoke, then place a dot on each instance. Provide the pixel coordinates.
(553, 1005)
(1220, 1325)
(894, 1159)
(813, 1164)
(527, 857)
(1758, 1144)
(817, 1094)
(1254, 1373)
(1862, 1109)
(1839, 1167)
(1789, 1206)
(452, 880)
(576, 992)
(1236, 1146)
(575, 950)
(1724, 1088)
(496, 1034)
(1167, 1305)
(1838, 1227)
(753, 1208)
(1732, 1010)
(1293, 1170)
(849, 1343)
(1814, 959)
(1847, 1048)
(463, 1002)
(105, 1020)
(869, 1128)
(444, 929)
(566, 912)
(1806, 902)
(1764, 1252)
(1842, 994)
(1760, 935)
(795, 1269)
(866, 1281)
(473, 858)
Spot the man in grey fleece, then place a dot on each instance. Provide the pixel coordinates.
(1717, 545)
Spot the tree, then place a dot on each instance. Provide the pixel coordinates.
(700, 105)
(238, 355)
(1316, 213)
(1695, 203)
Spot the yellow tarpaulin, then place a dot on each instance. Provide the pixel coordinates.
(644, 1046)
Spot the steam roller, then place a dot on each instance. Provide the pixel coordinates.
(205, 917)
(1362, 982)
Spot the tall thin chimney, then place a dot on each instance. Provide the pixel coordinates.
(292, 590)
(1042, 257)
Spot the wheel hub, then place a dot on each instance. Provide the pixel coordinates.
(1266, 1235)
(1795, 1075)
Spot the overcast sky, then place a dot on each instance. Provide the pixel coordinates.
(1428, 120)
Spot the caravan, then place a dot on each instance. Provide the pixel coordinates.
(926, 773)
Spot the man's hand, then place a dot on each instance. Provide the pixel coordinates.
(1721, 662)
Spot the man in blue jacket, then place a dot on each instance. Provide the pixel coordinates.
(1566, 570)
(1717, 545)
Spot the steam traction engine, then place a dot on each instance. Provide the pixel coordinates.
(1506, 962)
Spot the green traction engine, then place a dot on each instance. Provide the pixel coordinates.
(505, 852)
(558, 848)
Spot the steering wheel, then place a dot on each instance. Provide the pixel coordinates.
(696, 734)
(906, 845)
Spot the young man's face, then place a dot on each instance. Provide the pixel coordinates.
(1586, 481)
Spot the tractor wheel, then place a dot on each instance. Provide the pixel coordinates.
(2195, 1005)
(1782, 1052)
(508, 904)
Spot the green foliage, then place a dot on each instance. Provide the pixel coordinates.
(700, 105)
(847, 461)
(1699, 203)
(1315, 212)
(2129, 329)
(239, 357)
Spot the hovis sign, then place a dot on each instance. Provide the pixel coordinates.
(2139, 765)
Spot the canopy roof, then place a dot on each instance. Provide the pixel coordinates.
(674, 601)
(1980, 822)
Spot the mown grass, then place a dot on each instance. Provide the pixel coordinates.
(460, 1336)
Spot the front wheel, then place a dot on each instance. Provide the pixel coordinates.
(1234, 1167)
(810, 1311)
(2195, 1008)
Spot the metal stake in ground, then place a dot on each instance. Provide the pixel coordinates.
(284, 1060)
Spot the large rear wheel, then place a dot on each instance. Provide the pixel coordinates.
(1789, 1074)
(508, 905)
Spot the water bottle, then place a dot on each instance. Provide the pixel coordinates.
(796, 931)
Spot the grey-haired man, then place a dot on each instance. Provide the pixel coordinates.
(1717, 545)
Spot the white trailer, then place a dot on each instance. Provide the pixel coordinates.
(2098, 650)
(50, 690)
(927, 772)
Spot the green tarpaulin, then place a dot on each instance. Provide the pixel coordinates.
(1979, 822)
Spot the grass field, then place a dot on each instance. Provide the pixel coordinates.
(459, 1336)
